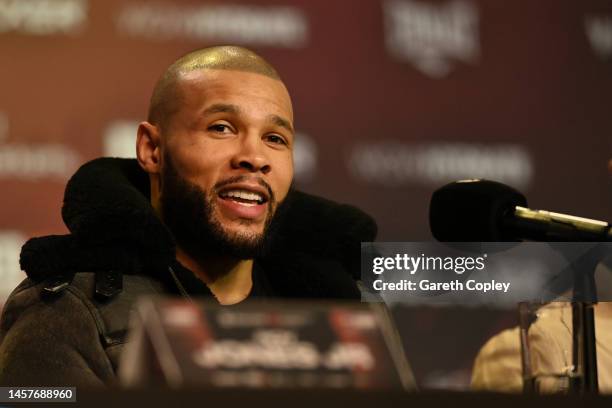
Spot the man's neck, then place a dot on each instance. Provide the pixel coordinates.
(229, 279)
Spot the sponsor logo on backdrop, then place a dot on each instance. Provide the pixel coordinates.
(432, 37)
(42, 17)
(10, 272)
(305, 158)
(396, 164)
(34, 161)
(280, 26)
(599, 33)
(119, 140)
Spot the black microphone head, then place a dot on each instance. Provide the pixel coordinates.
(472, 211)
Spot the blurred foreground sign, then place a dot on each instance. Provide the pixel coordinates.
(264, 345)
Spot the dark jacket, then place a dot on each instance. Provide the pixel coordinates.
(67, 322)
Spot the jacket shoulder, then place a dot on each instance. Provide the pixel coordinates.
(50, 340)
(67, 337)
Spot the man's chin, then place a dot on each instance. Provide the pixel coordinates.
(243, 232)
(242, 244)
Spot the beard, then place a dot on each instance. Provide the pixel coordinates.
(189, 213)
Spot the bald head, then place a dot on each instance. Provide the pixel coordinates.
(166, 97)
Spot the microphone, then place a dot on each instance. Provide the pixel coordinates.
(483, 211)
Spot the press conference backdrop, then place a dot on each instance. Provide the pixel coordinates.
(392, 98)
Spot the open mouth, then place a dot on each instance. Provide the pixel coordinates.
(244, 201)
(244, 197)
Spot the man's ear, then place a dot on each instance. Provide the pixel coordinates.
(148, 147)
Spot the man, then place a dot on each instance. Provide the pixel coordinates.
(224, 140)
(205, 210)
(498, 366)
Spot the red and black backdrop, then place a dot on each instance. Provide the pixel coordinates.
(392, 98)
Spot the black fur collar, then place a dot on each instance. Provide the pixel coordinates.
(113, 226)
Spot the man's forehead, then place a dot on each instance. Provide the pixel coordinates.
(197, 85)
(169, 94)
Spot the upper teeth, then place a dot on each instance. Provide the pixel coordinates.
(244, 195)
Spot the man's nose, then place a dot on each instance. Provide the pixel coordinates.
(251, 155)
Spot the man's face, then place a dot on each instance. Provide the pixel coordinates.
(227, 157)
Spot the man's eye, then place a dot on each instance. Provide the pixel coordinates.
(220, 128)
(276, 139)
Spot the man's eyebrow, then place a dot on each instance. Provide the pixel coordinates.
(282, 122)
(229, 108)
(222, 108)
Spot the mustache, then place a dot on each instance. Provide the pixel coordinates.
(243, 178)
